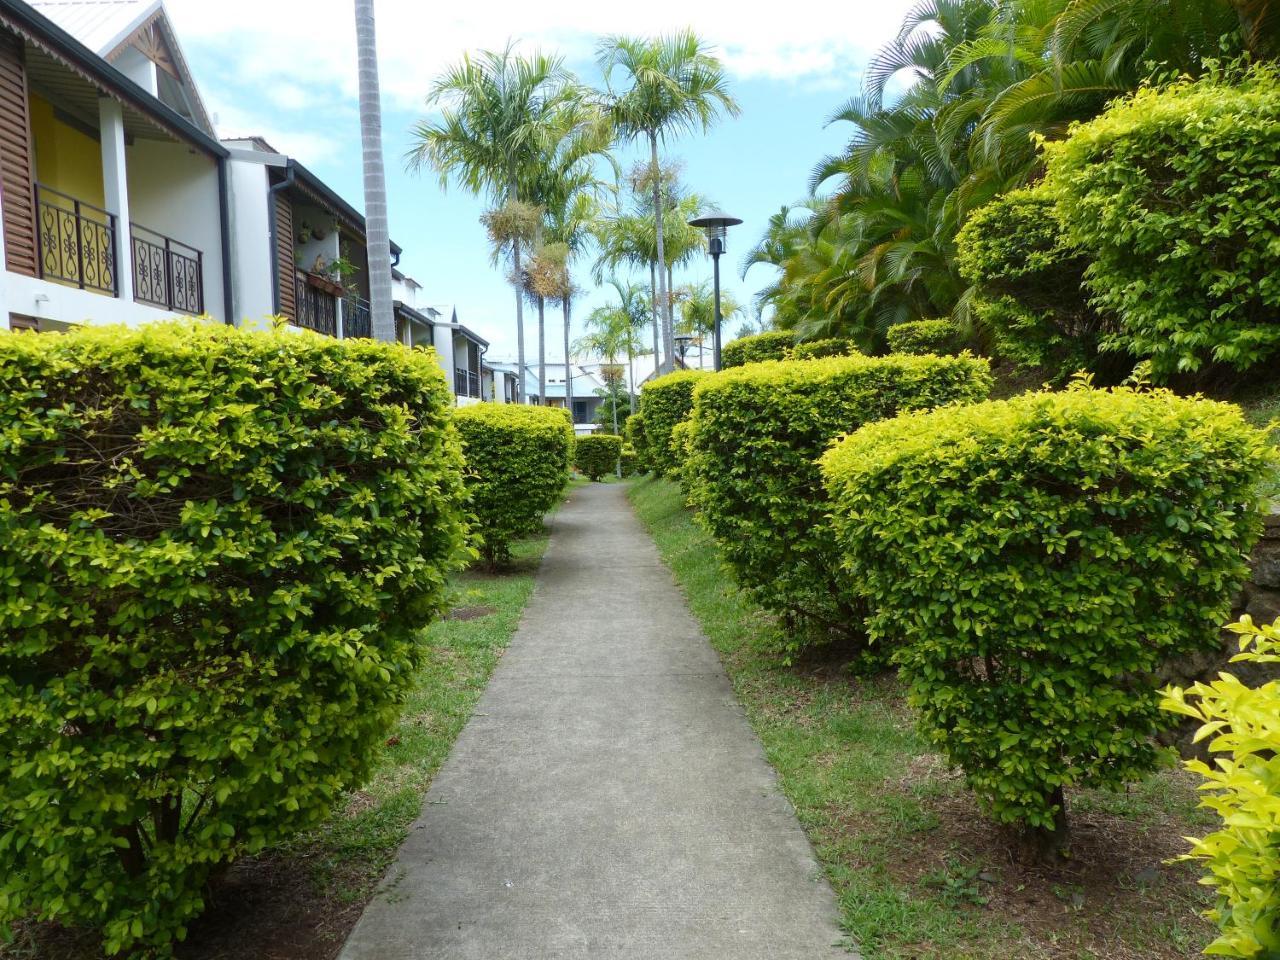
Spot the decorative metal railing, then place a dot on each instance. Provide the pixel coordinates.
(466, 383)
(77, 242)
(357, 321)
(166, 273)
(317, 309)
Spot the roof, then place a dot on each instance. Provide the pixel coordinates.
(585, 383)
(325, 194)
(105, 26)
(47, 35)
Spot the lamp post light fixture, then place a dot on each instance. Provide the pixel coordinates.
(716, 224)
(683, 342)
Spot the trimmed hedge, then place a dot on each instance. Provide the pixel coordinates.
(664, 402)
(597, 454)
(218, 549)
(517, 465)
(1243, 788)
(757, 434)
(1173, 198)
(629, 462)
(770, 345)
(830, 347)
(1031, 563)
(920, 337)
(634, 433)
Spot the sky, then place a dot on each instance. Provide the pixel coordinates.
(285, 70)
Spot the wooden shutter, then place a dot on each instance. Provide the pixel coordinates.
(286, 269)
(15, 160)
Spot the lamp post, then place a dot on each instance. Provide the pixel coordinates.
(682, 345)
(716, 224)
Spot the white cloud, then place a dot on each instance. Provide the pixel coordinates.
(299, 52)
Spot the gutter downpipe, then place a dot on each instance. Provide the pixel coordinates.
(224, 213)
(274, 229)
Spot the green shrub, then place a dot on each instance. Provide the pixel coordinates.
(629, 462)
(831, 347)
(681, 441)
(1029, 283)
(1243, 857)
(920, 337)
(635, 435)
(1032, 562)
(1173, 197)
(597, 454)
(664, 402)
(218, 550)
(517, 465)
(758, 431)
(771, 345)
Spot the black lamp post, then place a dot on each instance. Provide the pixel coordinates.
(682, 346)
(716, 224)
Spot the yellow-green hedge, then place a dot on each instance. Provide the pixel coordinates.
(770, 345)
(664, 402)
(757, 433)
(517, 465)
(218, 550)
(1031, 563)
(597, 454)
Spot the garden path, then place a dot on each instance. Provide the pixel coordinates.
(608, 798)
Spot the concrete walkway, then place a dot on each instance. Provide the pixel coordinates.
(608, 799)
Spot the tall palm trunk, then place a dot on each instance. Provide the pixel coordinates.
(542, 351)
(515, 259)
(377, 237)
(664, 307)
(568, 371)
(631, 379)
(657, 323)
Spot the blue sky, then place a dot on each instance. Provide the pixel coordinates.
(285, 69)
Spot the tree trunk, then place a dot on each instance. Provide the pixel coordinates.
(377, 239)
(664, 306)
(657, 323)
(542, 351)
(1047, 845)
(631, 380)
(568, 371)
(515, 259)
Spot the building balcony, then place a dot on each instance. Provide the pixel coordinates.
(466, 383)
(166, 273)
(357, 321)
(77, 244)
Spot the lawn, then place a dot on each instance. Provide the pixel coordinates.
(300, 900)
(919, 873)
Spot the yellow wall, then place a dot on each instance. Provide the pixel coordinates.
(66, 159)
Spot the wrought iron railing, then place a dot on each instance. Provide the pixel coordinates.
(317, 309)
(166, 273)
(466, 383)
(357, 321)
(77, 242)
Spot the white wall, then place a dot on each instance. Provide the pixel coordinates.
(134, 65)
(251, 255)
(59, 304)
(173, 190)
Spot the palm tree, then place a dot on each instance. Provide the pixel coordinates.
(607, 336)
(501, 116)
(698, 312)
(377, 234)
(631, 315)
(673, 84)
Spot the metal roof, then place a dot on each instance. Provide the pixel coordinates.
(101, 25)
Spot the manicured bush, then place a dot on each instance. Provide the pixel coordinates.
(758, 432)
(770, 345)
(597, 454)
(218, 550)
(831, 347)
(1031, 564)
(635, 435)
(629, 461)
(681, 450)
(1029, 283)
(1243, 725)
(1173, 198)
(664, 402)
(919, 337)
(517, 465)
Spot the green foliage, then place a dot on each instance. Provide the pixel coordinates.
(1243, 857)
(629, 461)
(1031, 563)
(758, 431)
(517, 465)
(829, 347)
(1028, 283)
(240, 536)
(637, 438)
(597, 454)
(664, 402)
(920, 337)
(1173, 198)
(770, 345)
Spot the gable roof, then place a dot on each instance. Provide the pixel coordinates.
(108, 27)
